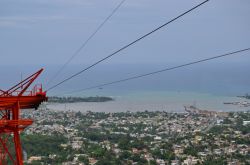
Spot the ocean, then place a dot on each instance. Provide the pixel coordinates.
(206, 85)
(155, 101)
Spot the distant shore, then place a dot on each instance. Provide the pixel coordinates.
(55, 99)
(153, 101)
(246, 96)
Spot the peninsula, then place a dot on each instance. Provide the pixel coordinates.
(55, 99)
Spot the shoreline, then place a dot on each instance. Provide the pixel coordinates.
(154, 101)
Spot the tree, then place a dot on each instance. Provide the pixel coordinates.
(190, 151)
(152, 162)
(83, 159)
(125, 155)
(212, 161)
(124, 143)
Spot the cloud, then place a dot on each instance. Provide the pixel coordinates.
(14, 21)
(7, 23)
(30, 12)
(23, 21)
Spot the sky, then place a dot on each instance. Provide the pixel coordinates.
(45, 33)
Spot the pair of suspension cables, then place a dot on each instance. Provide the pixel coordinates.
(128, 45)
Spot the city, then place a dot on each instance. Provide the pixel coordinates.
(124, 82)
(151, 138)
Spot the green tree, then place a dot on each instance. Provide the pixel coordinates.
(83, 159)
(190, 151)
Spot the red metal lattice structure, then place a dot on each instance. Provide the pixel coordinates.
(12, 102)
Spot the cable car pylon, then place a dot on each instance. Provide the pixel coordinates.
(12, 101)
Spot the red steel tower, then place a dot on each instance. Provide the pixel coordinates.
(12, 102)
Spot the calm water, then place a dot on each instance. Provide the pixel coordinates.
(151, 93)
(156, 101)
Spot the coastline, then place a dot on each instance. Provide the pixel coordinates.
(154, 101)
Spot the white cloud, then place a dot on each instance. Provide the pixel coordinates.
(7, 23)
(20, 21)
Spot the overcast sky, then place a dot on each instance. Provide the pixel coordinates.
(45, 33)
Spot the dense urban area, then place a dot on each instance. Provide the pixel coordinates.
(136, 138)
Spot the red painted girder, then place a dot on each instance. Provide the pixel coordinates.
(25, 102)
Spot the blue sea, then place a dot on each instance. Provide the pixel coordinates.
(156, 101)
(206, 85)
